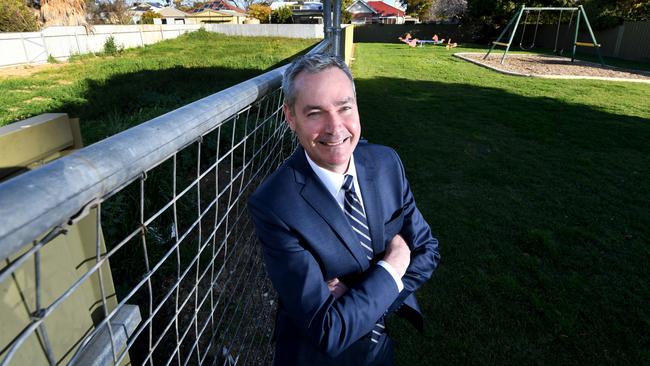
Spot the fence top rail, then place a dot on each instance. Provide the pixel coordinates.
(550, 8)
(41, 199)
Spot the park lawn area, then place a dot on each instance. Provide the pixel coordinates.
(111, 93)
(538, 191)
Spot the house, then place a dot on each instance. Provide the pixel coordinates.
(218, 11)
(307, 12)
(368, 12)
(278, 4)
(218, 5)
(170, 15)
(303, 11)
(140, 8)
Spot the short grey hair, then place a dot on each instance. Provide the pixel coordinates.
(313, 63)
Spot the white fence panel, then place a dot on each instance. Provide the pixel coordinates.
(63, 42)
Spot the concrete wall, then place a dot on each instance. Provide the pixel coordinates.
(268, 30)
(63, 42)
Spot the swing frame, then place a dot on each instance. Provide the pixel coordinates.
(515, 21)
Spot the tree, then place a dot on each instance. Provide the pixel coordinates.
(609, 13)
(260, 12)
(346, 16)
(417, 8)
(15, 16)
(63, 12)
(282, 15)
(148, 16)
(114, 12)
(447, 9)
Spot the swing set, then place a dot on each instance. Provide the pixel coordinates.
(516, 22)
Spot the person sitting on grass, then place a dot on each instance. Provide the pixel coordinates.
(451, 44)
(436, 40)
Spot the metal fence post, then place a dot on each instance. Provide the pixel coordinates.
(327, 19)
(337, 28)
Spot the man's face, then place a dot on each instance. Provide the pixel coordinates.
(325, 118)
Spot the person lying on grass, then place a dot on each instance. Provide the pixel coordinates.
(409, 40)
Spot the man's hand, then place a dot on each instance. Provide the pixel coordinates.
(336, 287)
(398, 255)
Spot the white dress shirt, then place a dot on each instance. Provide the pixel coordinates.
(334, 184)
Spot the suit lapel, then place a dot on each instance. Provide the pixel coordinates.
(365, 174)
(315, 193)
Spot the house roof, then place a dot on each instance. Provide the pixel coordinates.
(356, 7)
(385, 10)
(171, 12)
(218, 5)
(208, 13)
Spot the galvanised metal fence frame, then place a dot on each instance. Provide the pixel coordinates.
(217, 305)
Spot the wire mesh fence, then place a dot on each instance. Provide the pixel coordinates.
(169, 271)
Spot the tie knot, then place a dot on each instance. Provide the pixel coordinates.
(347, 183)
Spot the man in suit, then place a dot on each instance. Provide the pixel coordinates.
(343, 241)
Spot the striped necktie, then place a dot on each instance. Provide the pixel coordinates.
(357, 218)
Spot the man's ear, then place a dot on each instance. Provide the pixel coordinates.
(288, 115)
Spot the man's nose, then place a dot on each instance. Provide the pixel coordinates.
(333, 123)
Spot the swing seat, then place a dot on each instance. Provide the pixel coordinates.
(587, 44)
(501, 44)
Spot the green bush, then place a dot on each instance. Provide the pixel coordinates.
(15, 16)
(148, 16)
(282, 15)
(110, 47)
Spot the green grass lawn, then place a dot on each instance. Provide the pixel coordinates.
(538, 191)
(110, 94)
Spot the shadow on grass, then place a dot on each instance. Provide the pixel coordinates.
(540, 209)
(125, 100)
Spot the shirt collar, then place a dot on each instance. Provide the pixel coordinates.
(332, 181)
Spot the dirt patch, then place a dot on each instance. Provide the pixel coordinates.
(554, 67)
(27, 70)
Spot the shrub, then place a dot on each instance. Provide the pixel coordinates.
(110, 47)
(148, 16)
(15, 16)
(282, 15)
(260, 12)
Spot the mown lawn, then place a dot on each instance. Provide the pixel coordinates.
(538, 191)
(110, 94)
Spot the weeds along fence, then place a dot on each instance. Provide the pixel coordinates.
(171, 259)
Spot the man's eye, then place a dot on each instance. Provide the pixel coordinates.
(313, 114)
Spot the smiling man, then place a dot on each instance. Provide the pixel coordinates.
(343, 241)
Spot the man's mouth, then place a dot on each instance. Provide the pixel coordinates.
(334, 143)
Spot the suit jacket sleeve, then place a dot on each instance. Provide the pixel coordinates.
(332, 324)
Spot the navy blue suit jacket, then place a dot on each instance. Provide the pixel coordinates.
(306, 240)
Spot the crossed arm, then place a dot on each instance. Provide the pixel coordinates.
(398, 256)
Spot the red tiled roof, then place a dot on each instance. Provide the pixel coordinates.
(385, 10)
(218, 5)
